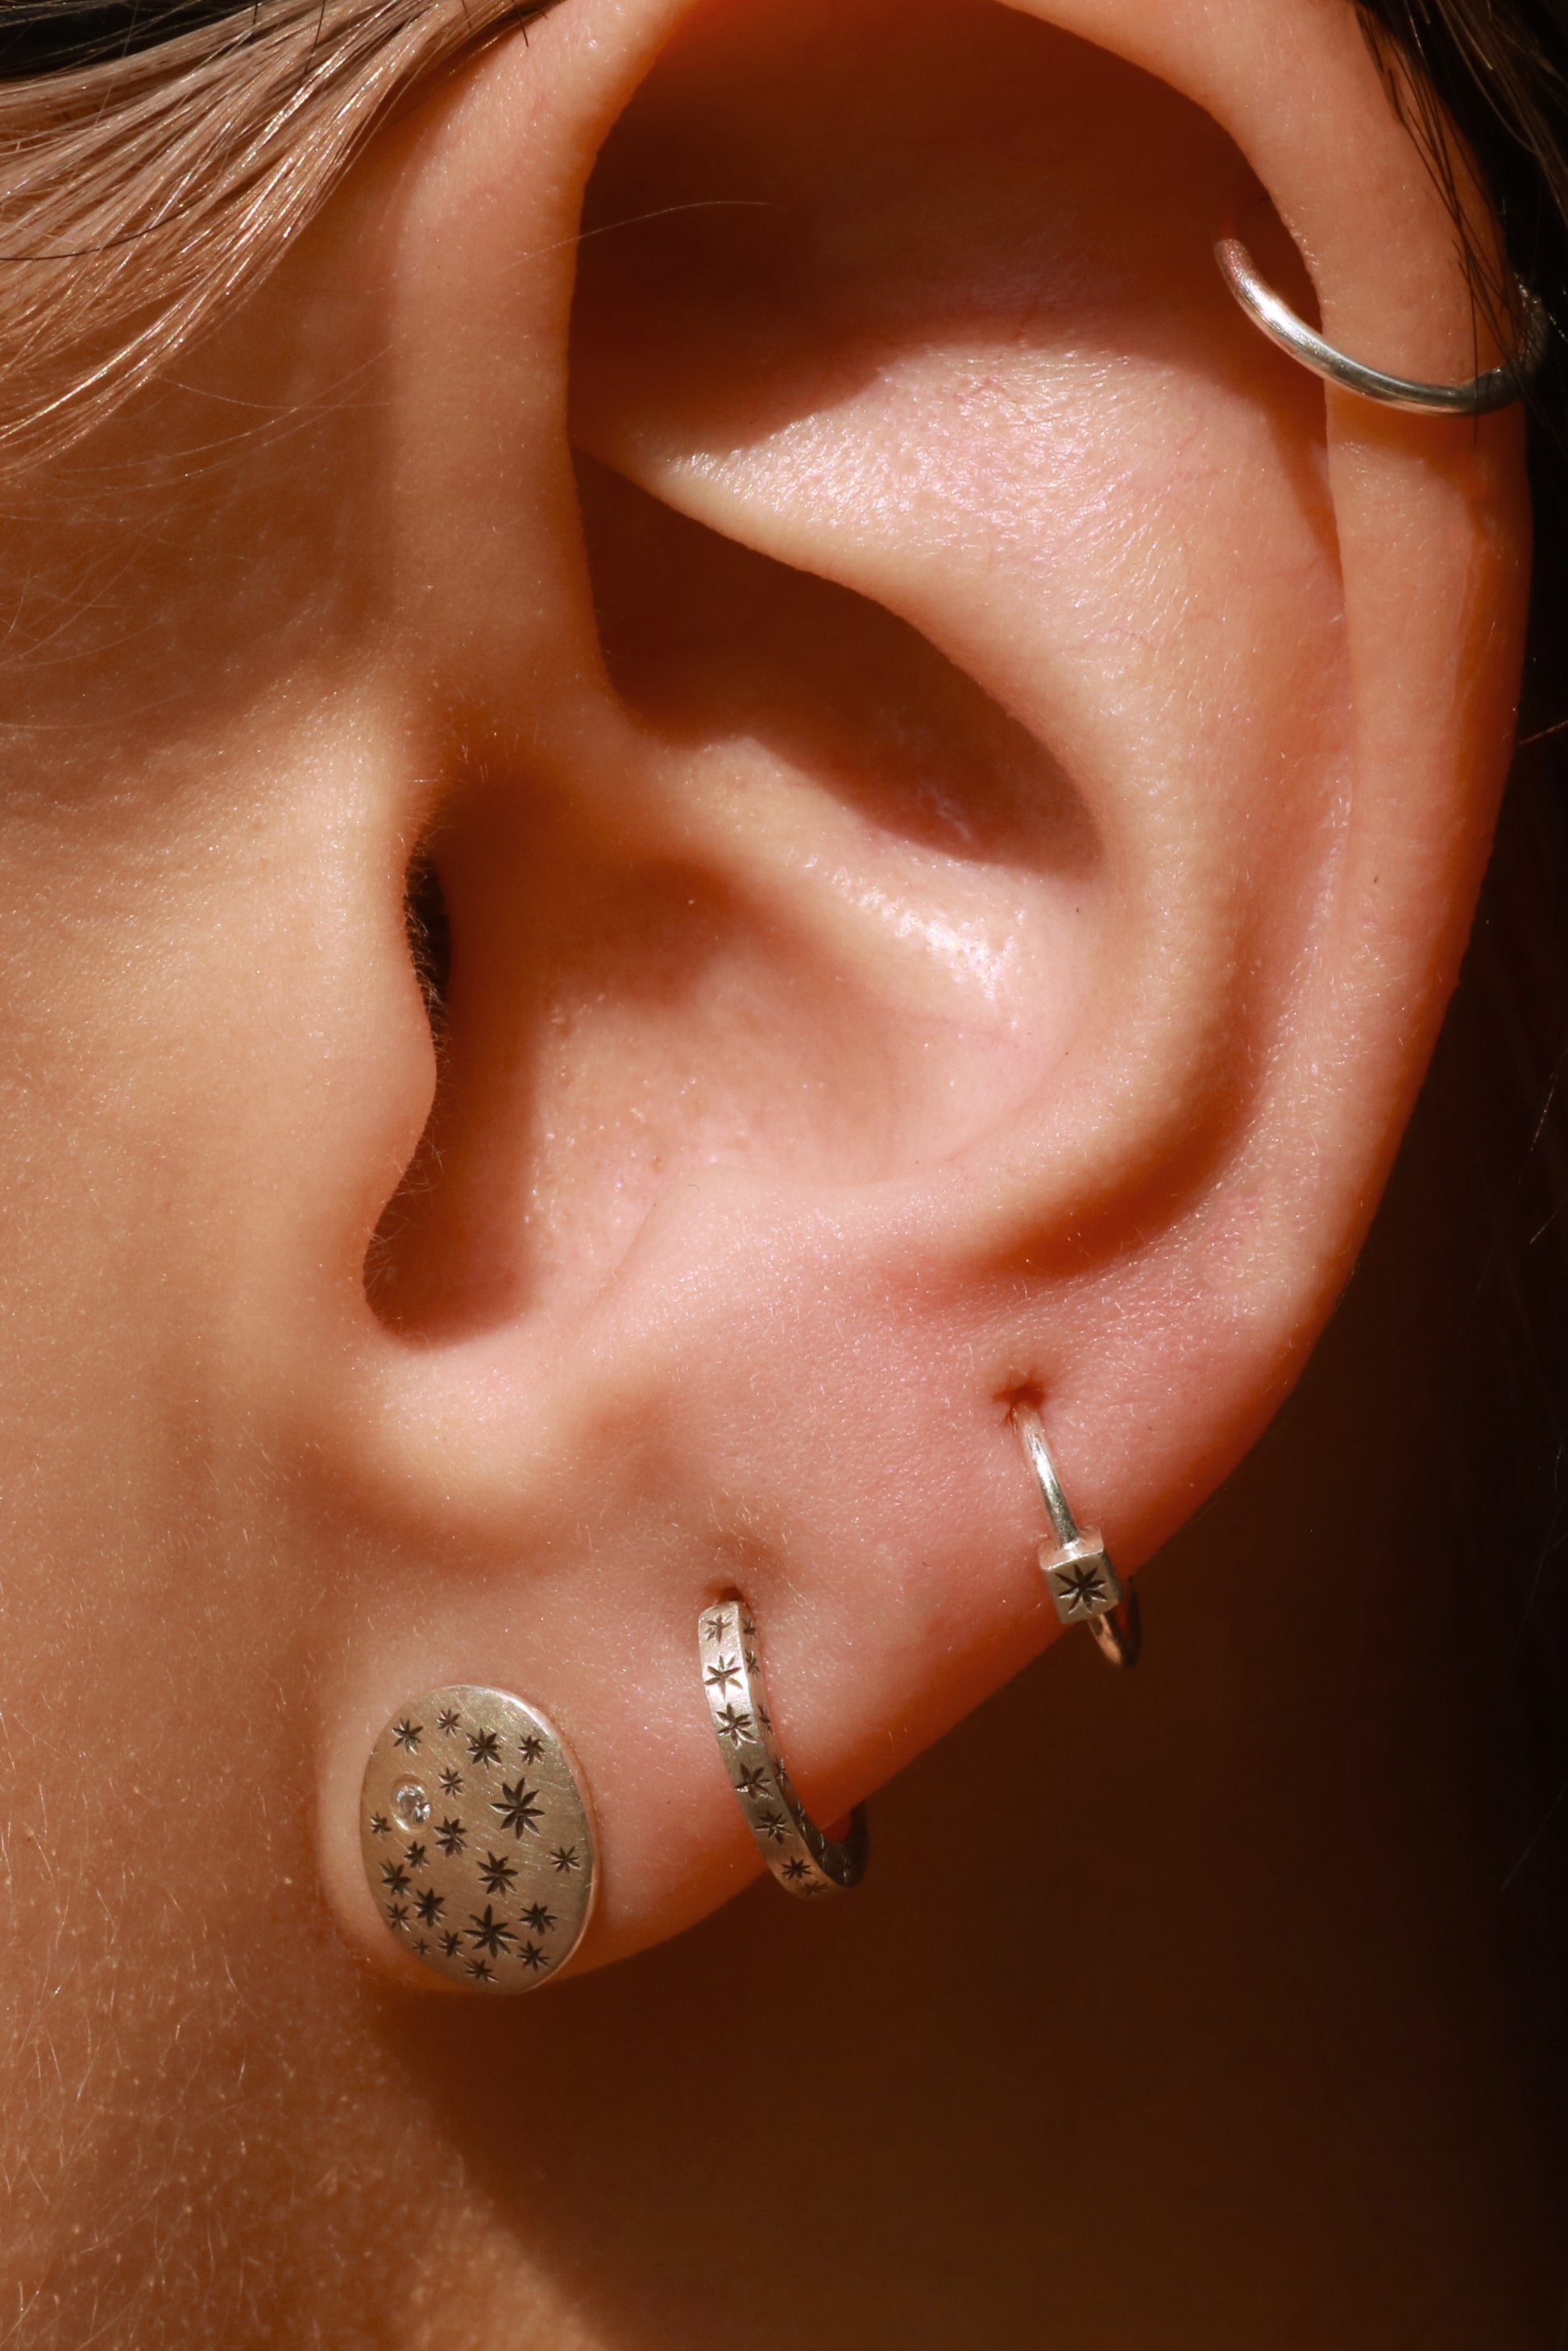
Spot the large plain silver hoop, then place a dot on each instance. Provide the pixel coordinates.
(801, 1858)
(1497, 387)
(1083, 1586)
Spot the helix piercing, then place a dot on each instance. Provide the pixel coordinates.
(1079, 1576)
(1497, 387)
(801, 1858)
(476, 1838)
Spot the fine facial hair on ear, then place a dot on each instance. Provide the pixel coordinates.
(928, 914)
(956, 792)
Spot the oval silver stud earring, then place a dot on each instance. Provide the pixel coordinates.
(1497, 387)
(476, 1838)
(1079, 1576)
(801, 1858)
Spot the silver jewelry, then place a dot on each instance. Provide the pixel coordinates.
(476, 1839)
(1075, 1564)
(1497, 387)
(801, 1858)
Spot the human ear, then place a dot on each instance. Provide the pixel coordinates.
(956, 783)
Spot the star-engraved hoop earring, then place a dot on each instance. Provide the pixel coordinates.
(801, 1858)
(477, 1839)
(1075, 1564)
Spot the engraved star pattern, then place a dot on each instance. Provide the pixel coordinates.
(489, 1933)
(519, 1809)
(753, 1783)
(772, 1827)
(796, 1869)
(717, 1628)
(720, 1675)
(732, 1722)
(499, 1917)
(1083, 1587)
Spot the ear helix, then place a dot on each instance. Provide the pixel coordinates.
(477, 1841)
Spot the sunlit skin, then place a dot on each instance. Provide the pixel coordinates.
(958, 792)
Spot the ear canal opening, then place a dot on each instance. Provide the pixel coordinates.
(428, 926)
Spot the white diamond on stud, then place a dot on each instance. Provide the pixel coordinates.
(411, 1803)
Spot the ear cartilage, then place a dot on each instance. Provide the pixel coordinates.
(1497, 387)
(1075, 1563)
(476, 1839)
(801, 1858)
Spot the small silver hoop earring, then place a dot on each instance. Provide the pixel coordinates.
(1076, 1565)
(801, 1858)
(1497, 387)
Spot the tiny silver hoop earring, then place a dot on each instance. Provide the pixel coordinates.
(1079, 1576)
(801, 1858)
(1497, 387)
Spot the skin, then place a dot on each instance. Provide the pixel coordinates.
(922, 930)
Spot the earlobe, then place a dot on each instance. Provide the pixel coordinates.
(975, 916)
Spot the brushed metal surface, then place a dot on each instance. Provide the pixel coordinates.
(803, 1860)
(477, 1840)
